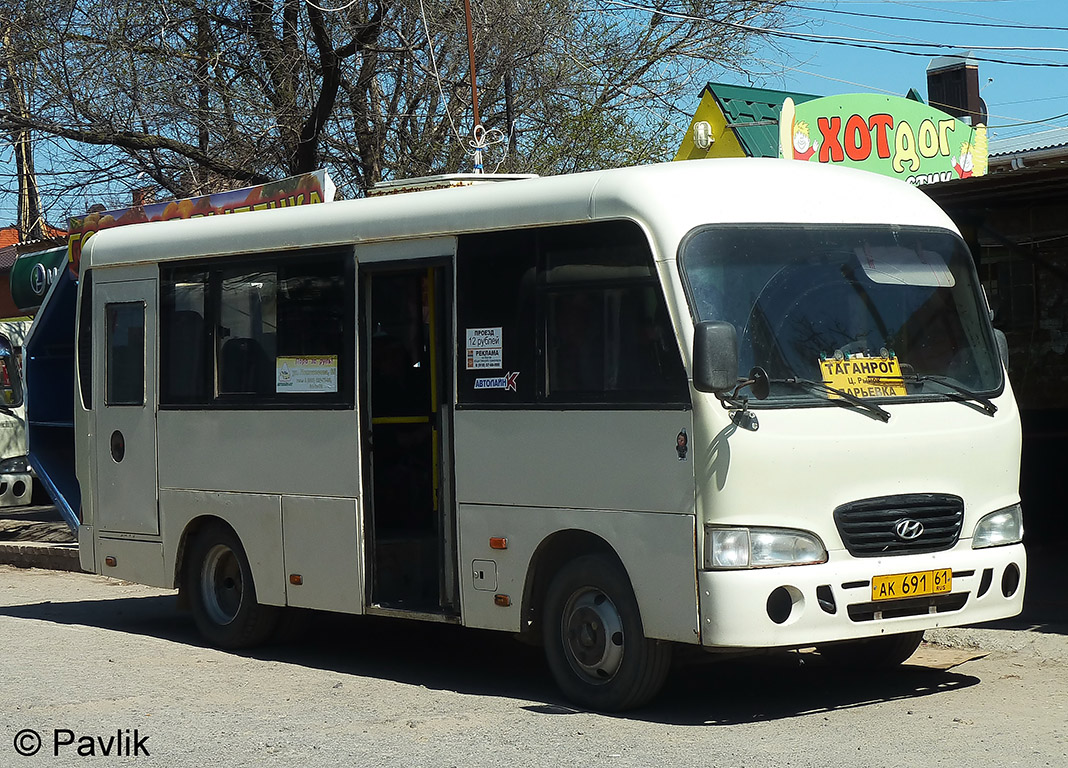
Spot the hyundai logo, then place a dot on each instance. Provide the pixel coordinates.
(908, 530)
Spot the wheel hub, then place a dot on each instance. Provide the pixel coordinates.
(593, 635)
(221, 586)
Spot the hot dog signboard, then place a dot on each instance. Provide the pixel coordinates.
(885, 134)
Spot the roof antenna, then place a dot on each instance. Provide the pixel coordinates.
(478, 132)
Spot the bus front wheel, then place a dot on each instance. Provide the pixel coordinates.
(594, 641)
(222, 596)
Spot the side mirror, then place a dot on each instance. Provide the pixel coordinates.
(715, 356)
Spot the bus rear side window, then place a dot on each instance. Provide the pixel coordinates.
(125, 364)
(85, 342)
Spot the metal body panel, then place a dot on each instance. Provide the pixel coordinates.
(85, 448)
(526, 474)
(298, 452)
(406, 250)
(87, 549)
(577, 459)
(664, 586)
(140, 561)
(322, 542)
(257, 520)
(804, 462)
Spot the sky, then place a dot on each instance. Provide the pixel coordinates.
(1016, 96)
(839, 55)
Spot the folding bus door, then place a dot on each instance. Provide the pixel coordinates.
(406, 350)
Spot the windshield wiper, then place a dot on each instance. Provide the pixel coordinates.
(846, 398)
(919, 378)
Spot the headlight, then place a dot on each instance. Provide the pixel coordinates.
(16, 465)
(761, 548)
(998, 528)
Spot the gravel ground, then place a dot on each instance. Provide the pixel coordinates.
(96, 657)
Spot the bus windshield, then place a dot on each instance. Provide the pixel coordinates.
(881, 312)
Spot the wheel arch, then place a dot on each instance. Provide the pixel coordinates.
(552, 553)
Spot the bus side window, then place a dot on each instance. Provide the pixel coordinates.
(608, 334)
(495, 288)
(185, 342)
(227, 331)
(579, 312)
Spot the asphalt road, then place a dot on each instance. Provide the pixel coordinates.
(92, 664)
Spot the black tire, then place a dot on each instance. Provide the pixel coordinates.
(594, 641)
(221, 592)
(874, 652)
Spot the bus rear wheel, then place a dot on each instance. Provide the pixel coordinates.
(222, 596)
(594, 641)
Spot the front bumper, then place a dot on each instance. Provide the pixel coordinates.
(789, 607)
(16, 490)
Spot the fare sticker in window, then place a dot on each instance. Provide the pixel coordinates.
(306, 374)
(864, 376)
(485, 348)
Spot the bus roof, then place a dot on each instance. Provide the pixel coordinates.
(669, 199)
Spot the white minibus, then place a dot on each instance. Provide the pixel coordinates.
(726, 404)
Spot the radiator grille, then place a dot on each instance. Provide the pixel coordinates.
(887, 525)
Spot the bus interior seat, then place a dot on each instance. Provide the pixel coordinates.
(186, 374)
(243, 367)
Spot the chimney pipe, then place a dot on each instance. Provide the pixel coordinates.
(953, 87)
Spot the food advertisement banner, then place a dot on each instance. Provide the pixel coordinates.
(897, 137)
(306, 189)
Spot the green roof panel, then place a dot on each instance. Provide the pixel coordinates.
(743, 106)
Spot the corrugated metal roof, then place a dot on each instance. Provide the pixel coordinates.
(742, 104)
(8, 254)
(1031, 142)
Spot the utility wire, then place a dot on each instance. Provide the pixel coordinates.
(993, 25)
(1030, 122)
(878, 45)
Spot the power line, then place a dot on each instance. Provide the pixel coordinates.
(1031, 122)
(878, 45)
(989, 25)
